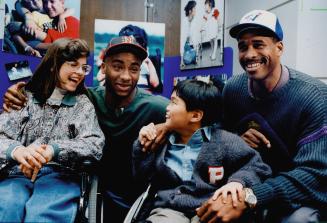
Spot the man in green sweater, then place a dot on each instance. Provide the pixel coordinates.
(281, 113)
(122, 110)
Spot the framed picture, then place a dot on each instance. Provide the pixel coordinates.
(151, 36)
(18, 70)
(202, 33)
(31, 26)
(2, 15)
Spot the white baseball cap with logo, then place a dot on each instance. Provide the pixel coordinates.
(259, 21)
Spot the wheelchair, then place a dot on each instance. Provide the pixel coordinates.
(90, 206)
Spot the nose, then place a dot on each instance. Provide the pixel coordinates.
(125, 75)
(250, 53)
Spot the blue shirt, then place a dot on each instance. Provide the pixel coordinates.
(181, 157)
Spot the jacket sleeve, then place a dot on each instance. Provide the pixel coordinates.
(11, 125)
(86, 138)
(249, 169)
(143, 163)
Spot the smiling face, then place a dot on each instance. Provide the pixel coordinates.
(260, 56)
(177, 117)
(71, 74)
(54, 7)
(122, 73)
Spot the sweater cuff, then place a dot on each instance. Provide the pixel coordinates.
(9, 151)
(264, 193)
(56, 151)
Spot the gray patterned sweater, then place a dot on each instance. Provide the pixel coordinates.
(70, 127)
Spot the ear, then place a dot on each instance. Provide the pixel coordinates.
(280, 48)
(197, 115)
(103, 67)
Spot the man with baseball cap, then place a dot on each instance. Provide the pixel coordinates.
(284, 112)
(122, 110)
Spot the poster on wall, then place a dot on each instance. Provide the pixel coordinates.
(33, 25)
(151, 36)
(18, 70)
(202, 33)
(2, 15)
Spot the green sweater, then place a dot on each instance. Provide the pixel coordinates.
(120, 132)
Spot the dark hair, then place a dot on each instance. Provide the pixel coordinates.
(189, 6)
(203, 96)
(46, 76)
(138, 33)
(210, 2)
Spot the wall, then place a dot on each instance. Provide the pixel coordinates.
(312, 33)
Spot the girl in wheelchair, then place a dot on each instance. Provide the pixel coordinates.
(198, 158)
(43, 145)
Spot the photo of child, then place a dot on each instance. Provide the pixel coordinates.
(18, 70)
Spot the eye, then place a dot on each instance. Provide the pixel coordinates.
(134, 69)
(86, 68)
(242, 47)
(117, 67)
(258, 45)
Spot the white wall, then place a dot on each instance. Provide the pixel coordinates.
(304, 27)
(312, 42)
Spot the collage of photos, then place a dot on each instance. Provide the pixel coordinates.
(32, 25)
(151, 36)
(202, 33)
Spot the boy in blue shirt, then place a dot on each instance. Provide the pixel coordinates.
(198, 158)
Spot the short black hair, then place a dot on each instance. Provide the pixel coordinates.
(189, 6)
(202, 96)
(210, 2)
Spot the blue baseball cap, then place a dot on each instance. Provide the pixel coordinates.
(260, 22)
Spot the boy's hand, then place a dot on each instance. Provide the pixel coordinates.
(62, 26)
(14, 98)
(234, 188)
(254, 138)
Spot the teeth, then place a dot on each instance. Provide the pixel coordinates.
(253, 65)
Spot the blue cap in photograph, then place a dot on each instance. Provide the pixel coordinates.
(259, 21)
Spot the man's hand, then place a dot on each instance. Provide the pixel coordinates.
(147, 133)
(235, 189)
(14, 98)
(254, 138)
(160, 138)
(213, 211)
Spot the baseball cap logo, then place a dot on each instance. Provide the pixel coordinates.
(252, 17)
(128, 39)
